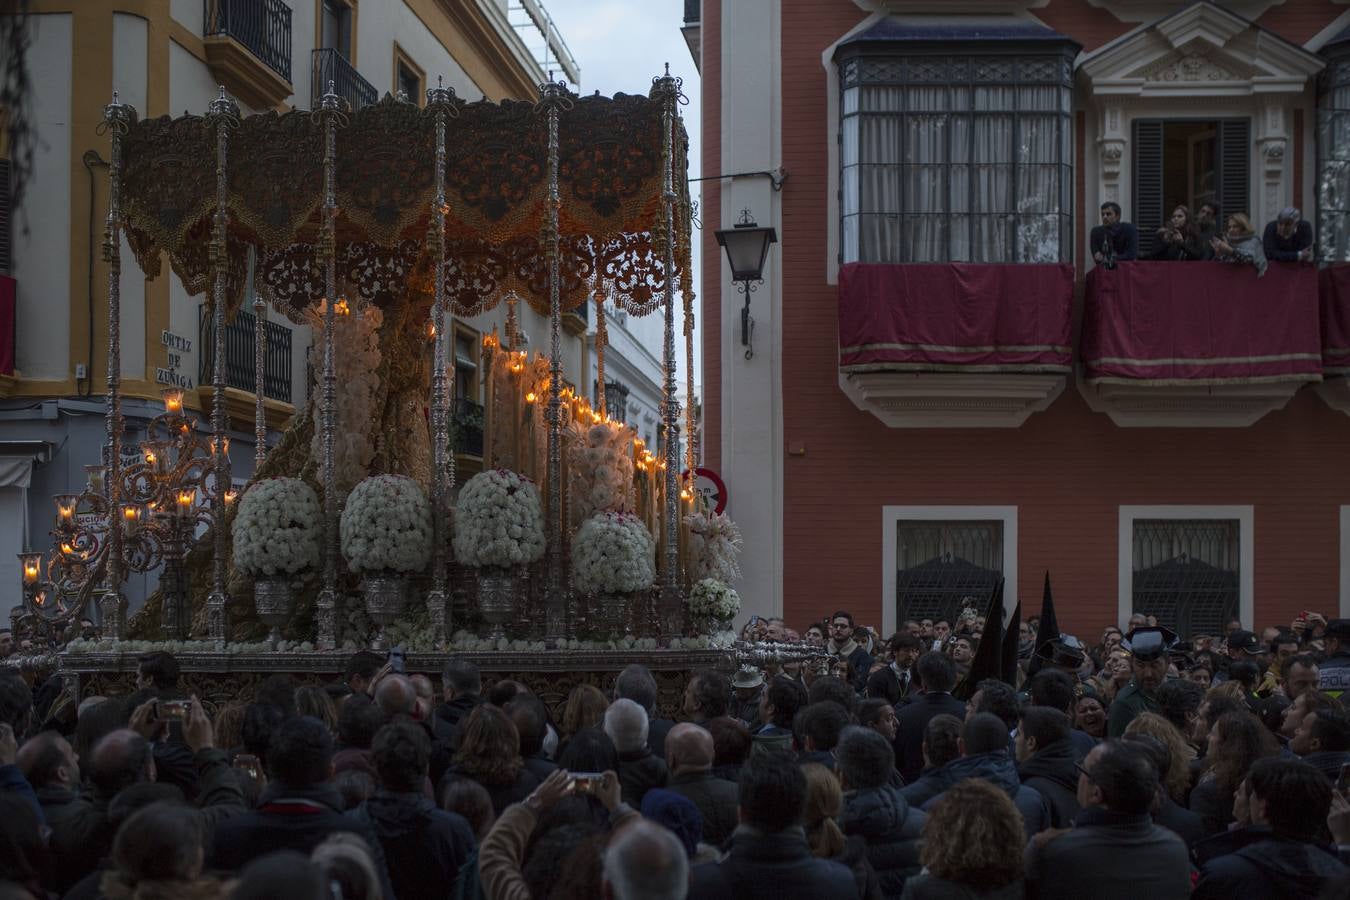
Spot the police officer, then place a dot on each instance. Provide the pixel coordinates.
(1334, 674)
(1148, 648)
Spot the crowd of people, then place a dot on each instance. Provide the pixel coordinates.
(1186, 238)
(1140, 766)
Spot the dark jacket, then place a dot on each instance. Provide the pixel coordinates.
(1129, 703)
(1274, 867)
(1124, 238)
(1178, 819)
(1328, 763)
(639, 772)
(1188, 249)
(503, 795)
(859, 664)
(891, 828)
(998, 769)
(446, 718)
(11, 779)
(286, 819)
(657, 729)
(775, 866)
(1082, 742)
(1053, 772)
(540, 766)
(931, 887)
(424, 846)
(716, 800)
(1212, 804)
(1280, 249)
(854, 855)
(80, 838)
(1109, 856)
(913, 718)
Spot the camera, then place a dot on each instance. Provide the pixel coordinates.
(172, 710)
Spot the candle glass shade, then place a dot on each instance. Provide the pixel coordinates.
(131, 517)
(31, 566)
(173, 400)
(66, 505)
(95, 475)
(184, 501)
(156, 455)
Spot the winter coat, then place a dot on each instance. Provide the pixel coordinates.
(1328, 762)
(1109, 856)
(639, 772)
(776, 866)
(657, 729)
(854, 855)
(1213, 804)
(998, 769)
(540, 766)
(424, 846)
(931, 887)
(80, 837)
(447, 718)
(1274, 867)
(1053, 773)
(1178, 819)
(913, 717)
(892, 830)
(503, 795)
(716, 799)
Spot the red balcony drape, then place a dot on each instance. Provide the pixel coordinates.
(953, 317)
(1201, 323)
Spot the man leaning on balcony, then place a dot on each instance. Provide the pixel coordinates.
(1113, 240)
(1289, 238)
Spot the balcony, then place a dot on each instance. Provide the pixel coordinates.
(239, 367)
(954, 345)
(692, 30)
(248, 47)
(575, 321)
(330, 66)
(1198, 344)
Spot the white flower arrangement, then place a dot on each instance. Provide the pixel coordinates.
(277, 530)
(386, 526)
(600, 469)
(714, 599)
(499, 521)
(613, 553)
(714, 546)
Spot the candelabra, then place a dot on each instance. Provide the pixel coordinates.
(164, 497)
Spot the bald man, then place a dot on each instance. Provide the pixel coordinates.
(396, 696)
(80, 833)
(689, 757)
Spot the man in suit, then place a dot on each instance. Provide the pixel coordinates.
(938, 674)
(898, 682)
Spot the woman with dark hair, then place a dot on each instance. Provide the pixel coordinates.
(1237, 740)
(1090, 716)
(731, 746)
(489, 753)
(158, 853)
(972, 846)
(1178, 239)
(589, 750)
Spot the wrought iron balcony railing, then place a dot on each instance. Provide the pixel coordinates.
(331, 66)
(239, 344)
(263, 26)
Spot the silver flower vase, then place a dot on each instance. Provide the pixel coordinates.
(275, 603)
(386, 595)
(498, 592)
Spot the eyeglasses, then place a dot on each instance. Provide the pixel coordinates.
(837, 625)
(1084, 772)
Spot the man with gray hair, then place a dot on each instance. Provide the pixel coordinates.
(636, 683)
(640, 770)
(1289, 238)
(645, 861)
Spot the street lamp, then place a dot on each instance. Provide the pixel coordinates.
(747, 246)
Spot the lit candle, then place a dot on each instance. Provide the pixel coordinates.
(32, 567)
(230, 497)
(173, 400)
(131, 517)
(95, 474)
(65, 508)
(185, 500)
(67, 549)
(530, 398)
(149, 456)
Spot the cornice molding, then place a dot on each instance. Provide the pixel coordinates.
(951, 400)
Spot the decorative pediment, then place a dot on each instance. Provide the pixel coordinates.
(1201, 50)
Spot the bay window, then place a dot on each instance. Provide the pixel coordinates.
(955, 156)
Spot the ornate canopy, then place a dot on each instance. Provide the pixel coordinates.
(611, 218)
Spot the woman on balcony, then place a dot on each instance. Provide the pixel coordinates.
(1179, 239)
(1240, 244)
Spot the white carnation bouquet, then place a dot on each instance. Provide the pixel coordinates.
(386, 526)
(714, 547)
(613, 553)
(714, 599)
(601, 470)
(277, 529)
(499, 521)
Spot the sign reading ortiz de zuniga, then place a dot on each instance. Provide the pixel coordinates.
(175, 346)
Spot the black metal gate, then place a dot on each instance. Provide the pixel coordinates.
(942, 587)
(1187, 595)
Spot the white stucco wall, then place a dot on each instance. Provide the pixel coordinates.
(130, 42)
(378, 29)
(42, 251)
